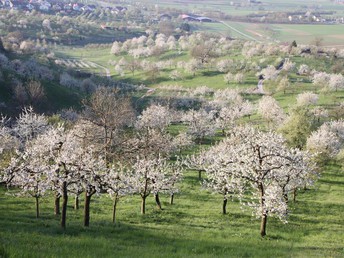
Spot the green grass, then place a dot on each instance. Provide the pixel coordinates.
(306, 34)
(332, 35)
(193, 227)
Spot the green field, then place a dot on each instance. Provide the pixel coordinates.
(332, 35)
(193, 226)
(305, 34)
(226, 7)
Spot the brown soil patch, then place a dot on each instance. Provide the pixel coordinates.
(337, 36)
(297, 32)
(254, 33)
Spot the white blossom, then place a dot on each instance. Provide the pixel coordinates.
(307, 98)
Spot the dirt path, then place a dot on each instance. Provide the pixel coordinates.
(107, 71)
(238, 31)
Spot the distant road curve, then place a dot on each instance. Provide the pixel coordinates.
(238, 31)
(107, 71)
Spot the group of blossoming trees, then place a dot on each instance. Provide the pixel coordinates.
(235, 59)
(107, 149)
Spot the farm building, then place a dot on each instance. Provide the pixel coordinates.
(195, 18)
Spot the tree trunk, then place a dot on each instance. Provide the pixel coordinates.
(224, 205)
(285, 196)
(64, 205)
(200, 174)
(263, 225)
(76, 202)
(37, 206)
(57, 205)
(87, 209)
(157, 200)
(264, 214)
(114, 210)
(171, 198)
(143, 205)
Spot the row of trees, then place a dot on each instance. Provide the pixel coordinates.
(205, 46)
(107, 149)
(72, 159)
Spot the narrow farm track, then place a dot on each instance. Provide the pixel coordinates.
(107, 71)
(241, 33)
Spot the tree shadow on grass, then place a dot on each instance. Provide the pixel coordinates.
(332, 182)
(103, 238)
(210, 73)
(171, 56)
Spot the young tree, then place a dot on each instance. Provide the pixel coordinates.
(197, 162)
(228, 77)
(269, 73)
(200, 124)
(284, 84)
(153, 71)
(224, 66)
(327, 141)
(111, 112)
(31, 169)
(324, 143)
(220, 178)
(149, 175)
(154, 117)
(35, 92)
(175, 75)
(182, 141)
(288, 66)
(270, 110)
(203, 51)
(336, 82)
(192, 66)
(229, 114)
(307, 98)
(259, 161)
(297, 127)
(117, 184)
(133, 65)
(29, 125)
(174, 176)
(321, 79)
(239, 78)
(87, 165)
(304, 69)
(116, 48)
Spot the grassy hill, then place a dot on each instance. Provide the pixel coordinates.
(193, 226)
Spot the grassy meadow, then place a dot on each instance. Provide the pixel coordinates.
(331, 35)
(192, 227)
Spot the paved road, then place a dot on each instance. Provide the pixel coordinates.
(238, 31)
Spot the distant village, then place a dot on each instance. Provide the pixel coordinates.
(70, 8)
